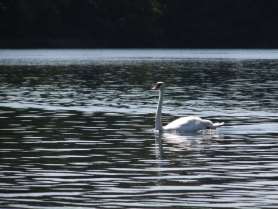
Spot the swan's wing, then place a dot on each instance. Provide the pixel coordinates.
(216, 125)
(190, 124)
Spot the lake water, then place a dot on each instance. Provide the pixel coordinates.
(76, 129)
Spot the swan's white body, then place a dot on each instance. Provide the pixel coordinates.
(190, 124)
(183, 124)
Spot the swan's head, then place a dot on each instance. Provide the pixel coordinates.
(158, 85)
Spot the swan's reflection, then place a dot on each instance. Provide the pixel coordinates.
(158, 146)
(171, 146)
(177, 142)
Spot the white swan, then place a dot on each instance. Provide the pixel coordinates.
(183, 124)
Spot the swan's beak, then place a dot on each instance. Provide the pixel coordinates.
(157, 86)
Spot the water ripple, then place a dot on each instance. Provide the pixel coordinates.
(81, 137)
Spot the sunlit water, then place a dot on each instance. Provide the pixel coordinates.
(77, 133)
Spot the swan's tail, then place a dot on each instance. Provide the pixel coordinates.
(216, 125)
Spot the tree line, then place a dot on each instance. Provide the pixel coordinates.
(139, 23)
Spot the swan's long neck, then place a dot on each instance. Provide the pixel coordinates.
(158, 124)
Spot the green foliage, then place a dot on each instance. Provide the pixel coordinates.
(138, 23)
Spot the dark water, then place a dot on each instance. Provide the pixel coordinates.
(80, 136)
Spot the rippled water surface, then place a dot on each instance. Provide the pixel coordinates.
(77, 133)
